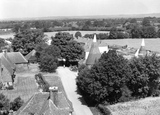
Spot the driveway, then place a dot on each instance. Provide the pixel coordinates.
(68, 80)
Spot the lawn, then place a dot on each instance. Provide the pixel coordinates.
(147, 106)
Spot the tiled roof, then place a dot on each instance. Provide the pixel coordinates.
(94, 54)
(31, 55)
(41, 104)
(16, 57)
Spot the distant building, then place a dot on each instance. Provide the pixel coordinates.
(44, 103)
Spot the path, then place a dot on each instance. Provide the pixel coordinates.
(69, 83)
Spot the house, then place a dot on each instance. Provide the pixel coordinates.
(7, 71)
(47, 103)
(8, 62)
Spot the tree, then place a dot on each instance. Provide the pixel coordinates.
(39, 48)
(49, 59)
(4, 103)
(145, 76)
(158, 33)
(69, 49)
(73, 51)
(146, 22)
(149, 32)
(48, 63)
(2, 44)
(16, 104)
(107, 78)
(136, 32)
(113, 34)
(78, 34)
(27, 40)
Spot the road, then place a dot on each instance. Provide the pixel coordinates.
(68, 80)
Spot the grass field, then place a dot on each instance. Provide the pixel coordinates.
(147, 106)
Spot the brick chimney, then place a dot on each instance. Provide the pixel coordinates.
(54, 94)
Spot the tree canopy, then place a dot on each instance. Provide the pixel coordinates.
(114, 79)
(69, 49)
(27, 40)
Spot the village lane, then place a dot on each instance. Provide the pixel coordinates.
(69, 82)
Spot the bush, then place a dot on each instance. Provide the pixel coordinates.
(78, 34)
(16, 104)
(43, 84)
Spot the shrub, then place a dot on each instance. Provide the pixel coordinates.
(43, 84)
(16, 104)
(78, 34)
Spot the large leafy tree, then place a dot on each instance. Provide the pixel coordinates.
(145, 76)
(146, 22)
(49, 59)
(149, 32)
(107, 79)
(136, 32)
(27, 40)
(69, 49)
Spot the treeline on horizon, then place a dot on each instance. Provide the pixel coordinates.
(119, 28)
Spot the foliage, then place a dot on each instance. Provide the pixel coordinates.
(145, 76)
(81, 67)
(158, 33)
(43, 84)
(146, 21)
(149, 32)
(16, 104)
(4, 103)
(106, 79)
(27, 40)
(48, 63)
(69, 49)
(136, 32)
(2, 44)
(39, 48)
(78, 34)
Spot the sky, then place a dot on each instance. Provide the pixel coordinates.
(45, 8)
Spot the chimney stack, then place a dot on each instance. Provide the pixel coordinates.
(54, 94)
